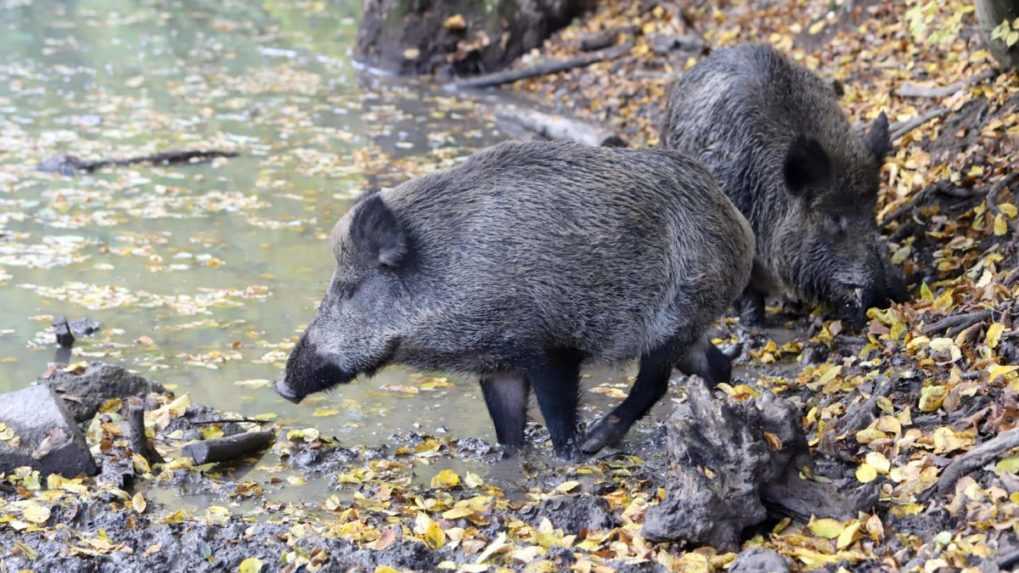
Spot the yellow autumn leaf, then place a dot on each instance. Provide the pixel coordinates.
(826, 528)
(878, 461)
(250, 565)
(430, 532)
(32, 512)
(849, 535)
(866, 473)
(567, 486)
(931, 397)
(998, 370)
(947, 440)
(1008, 209)
(445, 479)
(325, 412)
(138, 503)
(1008, 465)
(994, 333)
(1000, 225)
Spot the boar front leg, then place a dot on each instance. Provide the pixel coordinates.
(506, 397)
(652, 383)
(750, 306)
(555, 378)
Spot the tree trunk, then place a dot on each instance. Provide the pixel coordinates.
(456, 37)
(991, 13)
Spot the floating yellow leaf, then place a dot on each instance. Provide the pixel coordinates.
(217, 515)
(250, 565)
(473, 480)
(445, 479)
(866, 473)
(325, 412)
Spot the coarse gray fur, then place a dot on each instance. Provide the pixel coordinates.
(774, 135)
(524, 249)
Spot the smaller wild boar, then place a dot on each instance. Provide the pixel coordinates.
(523, 262)
(774, 135)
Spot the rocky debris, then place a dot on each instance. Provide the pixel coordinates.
(85, 391)
(575, 513)
(461, 37)
(759, 561)
(727, 459)
(37, 430)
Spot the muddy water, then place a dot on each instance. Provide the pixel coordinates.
(203, 275)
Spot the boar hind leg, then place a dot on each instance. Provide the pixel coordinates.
(652, 383)
(704, 359)
(555, 379)
(506, 397)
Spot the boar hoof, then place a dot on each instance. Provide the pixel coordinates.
(607, 432)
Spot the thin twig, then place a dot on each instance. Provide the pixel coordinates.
(139, 441)
(963, 320)
(901, 128)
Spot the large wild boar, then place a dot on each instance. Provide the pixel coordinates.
(521, 263)
(774, 135)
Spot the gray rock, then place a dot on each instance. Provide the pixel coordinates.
(759, 561)
(84, 393)
(45, 436)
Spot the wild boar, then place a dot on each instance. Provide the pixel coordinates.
(520, 264)
(774, 135)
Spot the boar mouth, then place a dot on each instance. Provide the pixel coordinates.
(283, 390)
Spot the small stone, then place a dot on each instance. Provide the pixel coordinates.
(43, 434)
(759, 561)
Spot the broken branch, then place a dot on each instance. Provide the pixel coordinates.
(541, 69)
(228, 448)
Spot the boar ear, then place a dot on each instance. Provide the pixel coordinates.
(806, 165)
(376, 232)
(878, 139)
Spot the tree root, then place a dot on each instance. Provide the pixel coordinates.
(140, 443)
(71, 165)
(957, 323)
(541, 69)
(915, 90)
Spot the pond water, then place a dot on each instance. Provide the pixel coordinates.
(202, 276)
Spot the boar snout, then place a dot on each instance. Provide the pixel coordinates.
(307, 372)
